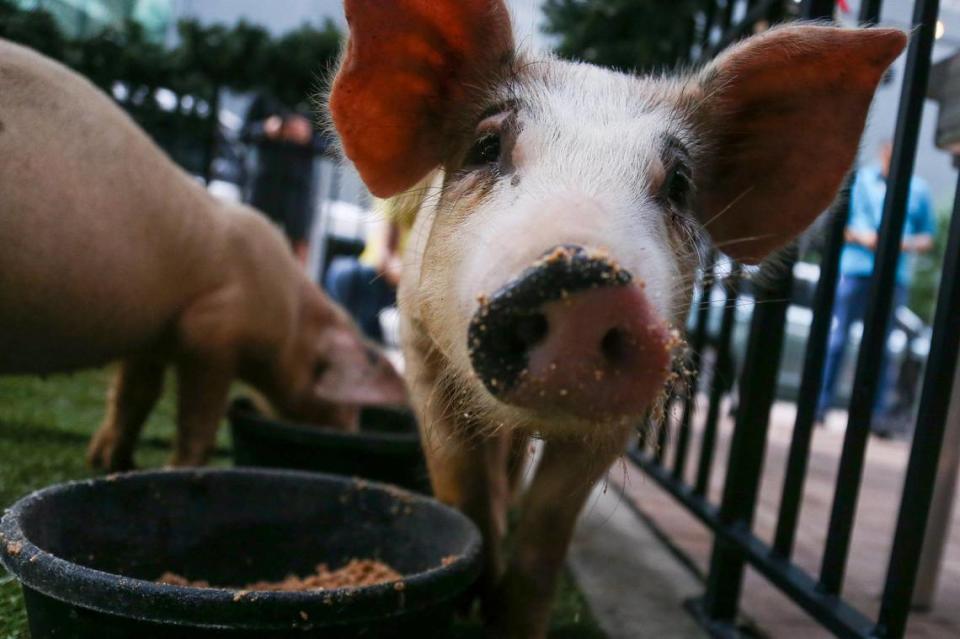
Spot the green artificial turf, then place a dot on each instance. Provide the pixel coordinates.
(44, 428)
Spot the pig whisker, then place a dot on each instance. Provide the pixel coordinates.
(740, 303)
(728, 207)
(741, 240)
(605, 486)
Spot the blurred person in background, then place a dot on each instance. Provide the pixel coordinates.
(287, 145)
(856, 268)
(365, 286)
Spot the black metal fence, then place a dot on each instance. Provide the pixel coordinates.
(731, 520)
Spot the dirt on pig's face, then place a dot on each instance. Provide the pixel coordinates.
(549, 176)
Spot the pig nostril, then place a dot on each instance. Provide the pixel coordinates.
(530, 330)
(614, 345)
(509, 327)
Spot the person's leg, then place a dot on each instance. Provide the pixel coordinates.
(382, 295)
(338, 280)
(298, 218)
(843, 313)
(360, 290)
(377, 294)
(886, 373)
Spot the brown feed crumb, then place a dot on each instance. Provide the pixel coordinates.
(356, 574)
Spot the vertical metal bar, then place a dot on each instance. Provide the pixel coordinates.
(745, 24)
(745, 465)
(644, 431)
(942, 507)
(685, 52)
(697, 344)
(870, 12)
(812, 380)
(927, 442)
(663, 433)
(818, 9)
(775, 14)
(727, 16)
(723, 361)
(757, 393)
(815, 354)
(880, 300)
(709, 17)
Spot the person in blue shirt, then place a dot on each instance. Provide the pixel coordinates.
(856, 265)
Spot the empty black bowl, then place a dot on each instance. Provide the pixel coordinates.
(87, 553)
(386, 449)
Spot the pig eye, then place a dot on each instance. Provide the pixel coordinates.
(486, 150)
(677, 186)
(319, 369)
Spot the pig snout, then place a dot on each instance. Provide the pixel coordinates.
(574, 333)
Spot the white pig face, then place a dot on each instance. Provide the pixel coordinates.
(557, 240)
(549, 164)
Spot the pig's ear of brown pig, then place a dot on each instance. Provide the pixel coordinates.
(782, 116)
(409, 66)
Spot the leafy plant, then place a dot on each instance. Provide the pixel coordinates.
(207, 59)
(926, 276)
(624, 34)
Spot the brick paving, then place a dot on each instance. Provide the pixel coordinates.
(876, 515)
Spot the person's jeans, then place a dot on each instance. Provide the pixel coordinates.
(849, 307)
(360, 290)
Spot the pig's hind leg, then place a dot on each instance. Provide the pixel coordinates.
(134, 391)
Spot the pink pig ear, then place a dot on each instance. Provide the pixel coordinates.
(783, 114)
(410, 66)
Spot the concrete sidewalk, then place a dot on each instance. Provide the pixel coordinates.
(634, 585)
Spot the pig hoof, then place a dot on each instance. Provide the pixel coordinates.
(102, 455)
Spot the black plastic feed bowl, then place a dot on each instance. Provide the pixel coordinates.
(87, 554)
(386, 449)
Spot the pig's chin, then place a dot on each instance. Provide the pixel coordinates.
(560, 420)
(603, 410)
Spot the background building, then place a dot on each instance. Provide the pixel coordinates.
(934, 165)
(81, 18)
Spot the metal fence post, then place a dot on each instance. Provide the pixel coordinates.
(918, 486)
(931, 474)
(880, 299)
(745, 465)
(941, 510)
(697, 344)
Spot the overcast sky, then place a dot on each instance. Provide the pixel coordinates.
(283, 16)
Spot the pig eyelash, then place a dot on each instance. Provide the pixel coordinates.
(678, 186)
(487, 148)
(319, 369)
(484, 152)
